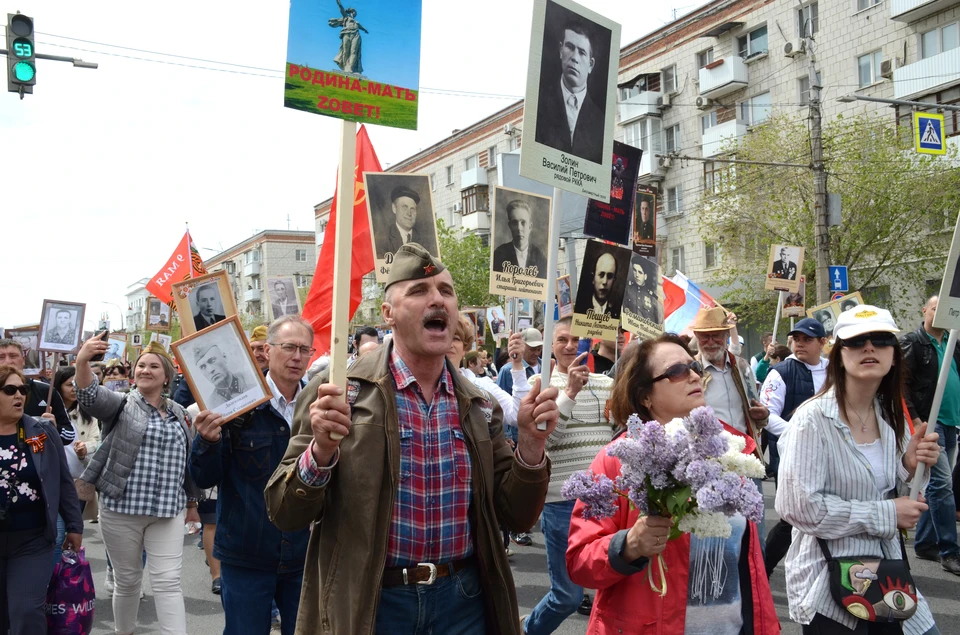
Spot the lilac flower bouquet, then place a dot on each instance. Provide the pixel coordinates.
(690, 469)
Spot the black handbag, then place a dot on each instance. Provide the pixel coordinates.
(870, 588)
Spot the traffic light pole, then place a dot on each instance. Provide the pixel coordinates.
(78, 63)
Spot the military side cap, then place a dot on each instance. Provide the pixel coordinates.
(413, 262)
(259, 334)
(403, 190)
(202, 350)
(157, 349)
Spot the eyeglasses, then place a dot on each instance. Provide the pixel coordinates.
(10, 391)
(879, 340)
(679, 372)
(290, 349)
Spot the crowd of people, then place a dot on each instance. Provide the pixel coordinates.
(389, 504)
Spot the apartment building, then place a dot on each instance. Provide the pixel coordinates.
(136, 315)
(266, 254)
(706, 79)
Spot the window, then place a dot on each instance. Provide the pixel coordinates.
(932, 287)
(470, 163)
(671, 138)
(514, 142)
(302, 281)
(252, 256)
(485, 240)
(301, 255)
(433, 182)
(877, 296)
(868, 68)
(670, 79)
(704, 57)
(257, 283)
(940, 40)
(492, 157)
(713, 175)
(866, 4)
(676, 260)
(711, 255)
(708, 121)
(803, 84)
(231, 267)
(644, 134)
(674, 200)
(449, 175)
(808, 22)
(475, 199)
(753, 43)
(756, 109)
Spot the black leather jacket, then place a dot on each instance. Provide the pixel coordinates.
(922, 370)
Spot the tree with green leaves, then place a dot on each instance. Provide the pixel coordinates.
(898, 208)
(468, 260)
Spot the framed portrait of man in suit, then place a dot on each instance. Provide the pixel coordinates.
(603, 280)
(158, 315)
(520, 239)
(784, 268)
(400, 209)
(571, 84)
(643, 298)
(203, 301)
(283, 297)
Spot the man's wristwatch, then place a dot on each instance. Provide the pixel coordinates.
(192, 503)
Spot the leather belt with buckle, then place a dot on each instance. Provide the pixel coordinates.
(425, 573)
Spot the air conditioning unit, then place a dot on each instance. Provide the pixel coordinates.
(509, 129)
(795, 48)
(886, 68)
(666, 162)
(663, 101)
(458, 208)
(704, 102)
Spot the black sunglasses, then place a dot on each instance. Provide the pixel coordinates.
(10, 390)
(679, 372)
(879, 340)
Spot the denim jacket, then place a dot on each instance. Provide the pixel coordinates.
(241, 463)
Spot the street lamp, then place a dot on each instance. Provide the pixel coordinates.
(119, 310)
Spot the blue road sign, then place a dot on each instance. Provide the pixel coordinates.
(838, 278)
(928, 133)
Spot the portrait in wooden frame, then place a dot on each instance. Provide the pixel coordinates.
(203, 301)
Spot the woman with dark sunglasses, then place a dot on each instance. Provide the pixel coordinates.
(846, 462)
(35, 485)
(660, 381)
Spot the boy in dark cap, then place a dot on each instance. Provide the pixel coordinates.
(413, 492)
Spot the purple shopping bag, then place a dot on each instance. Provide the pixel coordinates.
(71, 596)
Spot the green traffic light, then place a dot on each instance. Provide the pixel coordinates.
(24, 71)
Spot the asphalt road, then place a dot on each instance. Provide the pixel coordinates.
(205, 614)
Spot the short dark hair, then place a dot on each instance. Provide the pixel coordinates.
(782, 352)
(369, 331)
(580, 27)
(67, 311)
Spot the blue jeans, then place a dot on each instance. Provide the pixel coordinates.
(937, 527)
(564, 596)
(452, 605)
(247, 596)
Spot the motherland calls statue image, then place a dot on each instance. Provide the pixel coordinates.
(348, 59)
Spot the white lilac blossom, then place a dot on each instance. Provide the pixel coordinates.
(690, 469)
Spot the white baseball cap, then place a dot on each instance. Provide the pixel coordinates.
(532, 337)
(864, 318)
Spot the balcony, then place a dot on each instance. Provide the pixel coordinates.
(717, 138)
(251, 295)
(723, 77)
(643, 104)
(251, 269)
(650, 169)
(927, 76)
(473, 177)
(476, 221)
(913, 10)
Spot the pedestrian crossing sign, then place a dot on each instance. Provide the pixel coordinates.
(928, 133)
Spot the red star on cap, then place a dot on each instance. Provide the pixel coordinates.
(429, 269)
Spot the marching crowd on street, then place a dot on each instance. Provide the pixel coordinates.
(389, 504)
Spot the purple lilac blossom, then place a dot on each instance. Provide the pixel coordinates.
(595, 491)
(721, 495)
(700, 472)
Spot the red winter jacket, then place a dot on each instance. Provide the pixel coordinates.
(626, 603)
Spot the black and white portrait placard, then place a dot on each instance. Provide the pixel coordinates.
(400, 210)
(497, 322)
(204, 301)
(61, 326)
(158, 315)
(520, 240)
(603, 279)
(643, 298)
(570, 99)
(28, 336)
(784, 268)
(564, 297)
(794, 303)
(284, 300)
(221, 369)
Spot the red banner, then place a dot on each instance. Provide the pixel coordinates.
(318, 308)
(183, 264)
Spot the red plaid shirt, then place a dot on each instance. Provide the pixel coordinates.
(431, 511)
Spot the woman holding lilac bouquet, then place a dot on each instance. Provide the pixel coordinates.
(675, 471)
(843, 459)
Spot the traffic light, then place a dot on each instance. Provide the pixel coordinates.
(21, 60)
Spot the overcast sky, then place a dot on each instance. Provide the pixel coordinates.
(103, 167)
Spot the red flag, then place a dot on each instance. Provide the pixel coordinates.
(318, 308)
(183, 264)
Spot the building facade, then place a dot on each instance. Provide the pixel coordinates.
(267, 254)
(136, 314)
(699, 83)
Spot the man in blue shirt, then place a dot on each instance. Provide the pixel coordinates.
(923, 352)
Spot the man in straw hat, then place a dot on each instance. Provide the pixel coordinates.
(411, 496)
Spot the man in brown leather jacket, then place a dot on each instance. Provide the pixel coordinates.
(407, 504)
